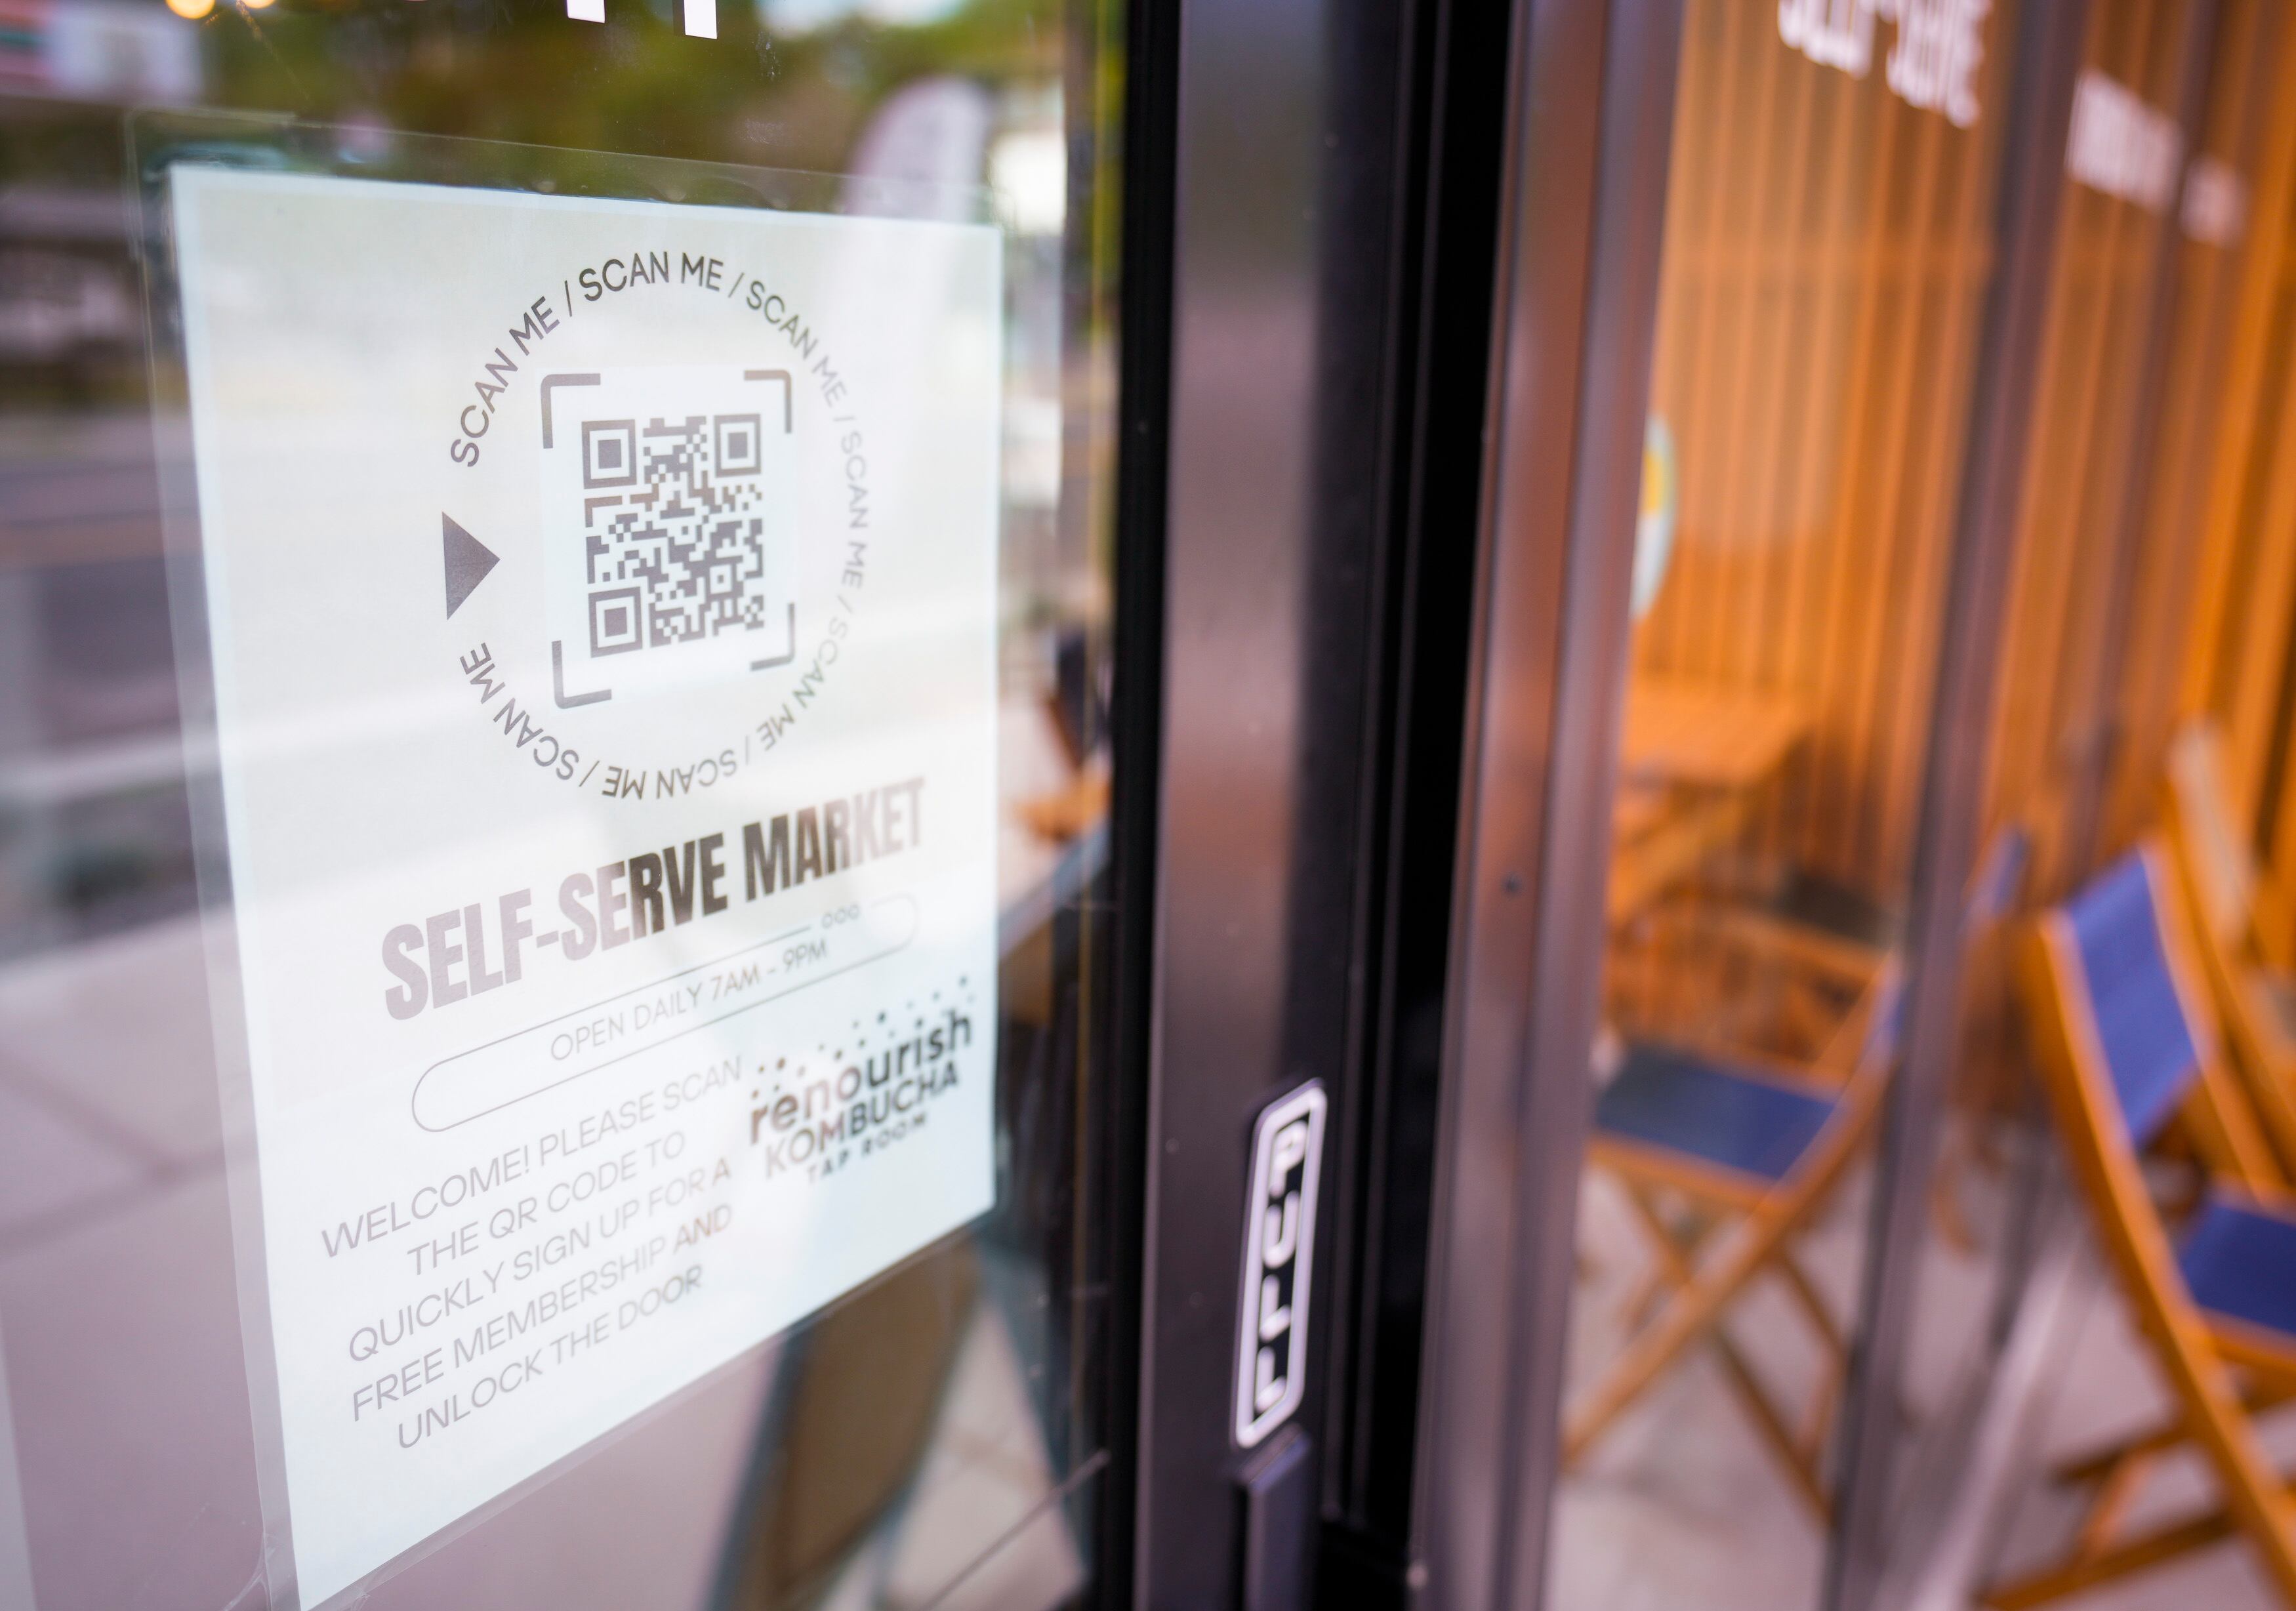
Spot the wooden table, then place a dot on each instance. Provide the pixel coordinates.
(1692, 761)
(1681, 732)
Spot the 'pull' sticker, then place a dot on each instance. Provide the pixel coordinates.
(1279, 1233)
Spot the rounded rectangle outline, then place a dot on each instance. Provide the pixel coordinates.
(452, 1117)
(1308, 1100)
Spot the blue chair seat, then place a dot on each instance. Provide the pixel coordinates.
(2240, 1262)
(1704, 1109)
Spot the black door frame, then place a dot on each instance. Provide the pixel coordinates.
(1306, 343)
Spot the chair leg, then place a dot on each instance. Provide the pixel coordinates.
(1675, 1270)
(2092, 1561)
(1800, 1464)
(2118, 1491)
(2101, 1463)
(1675, 1255)
(1818, 1421)
(1672, 1258)
(1821, 1318)
(1648, 1291)
(2086, 1572)
(1684, 1320)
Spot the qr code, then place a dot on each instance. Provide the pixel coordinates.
(674, 539)
(670, 499)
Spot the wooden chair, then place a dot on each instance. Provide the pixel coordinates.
(2241, 920)
(2247, 909)
(2123, 1033)
(1762, 1143)
(1757, 1145)
(1729, 976)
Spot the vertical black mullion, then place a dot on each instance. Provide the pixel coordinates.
(1272, 664)
(2050, 36)
(1367, 267)
(1451, 110)
(1362, 1123)
(1123, 968)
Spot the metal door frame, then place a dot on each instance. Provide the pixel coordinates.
(1593, 107)
(1305, 382)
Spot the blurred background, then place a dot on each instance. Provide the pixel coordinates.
(1834, 226)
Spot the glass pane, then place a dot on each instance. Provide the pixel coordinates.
(555, 596)
(2118, 670)
(2082, 624)
(1828, 251)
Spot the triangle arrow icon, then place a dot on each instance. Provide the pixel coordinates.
(468, 561)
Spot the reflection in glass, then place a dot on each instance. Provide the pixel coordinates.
(2127, 668)
(1828, 253)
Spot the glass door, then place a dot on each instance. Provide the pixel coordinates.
(729, 758)
(1829, 243)
(1727, 847)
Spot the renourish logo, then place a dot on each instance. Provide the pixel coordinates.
(1279, 1231)
(818, 1123)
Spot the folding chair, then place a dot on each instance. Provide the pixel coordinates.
(2241, 902)
(2125, 1040)
(1765, 1143)
(2241, 920)
(1727, 977)
(1784, 964)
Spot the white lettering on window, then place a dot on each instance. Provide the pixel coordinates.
(1831, 33)
(1933, 64)
(1940, 46)
(2215, 203)
(2122, 147)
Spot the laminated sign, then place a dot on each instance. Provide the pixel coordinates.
(599, 599)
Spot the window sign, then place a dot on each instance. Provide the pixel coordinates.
(600, 599)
